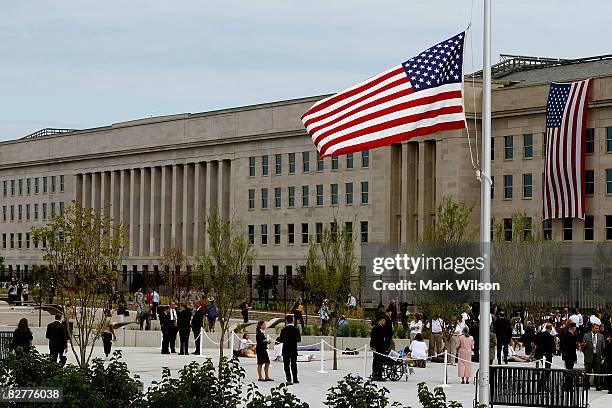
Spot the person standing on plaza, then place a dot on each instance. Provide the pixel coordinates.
(108, 332)
(155, 305)
(436, 328)
(164, 322)
(544, 345)
(416, 326)
(197, 321)
(211, 314)
(184, 327)
(324, 315)
(121, 308)
(452, 331)
(290, 337)
(528, 337)
(58, 338)
(378, 345)
(607, 363)
(393, 309)
(261, 349)
(593, 348)
(464, 354)
(12, 292)
(173, 317)
(569, 344)
(22, 337)
(404, 315)
(298, 313)
(244, 309)
(19, 290)
(503, 331)
(25, 291)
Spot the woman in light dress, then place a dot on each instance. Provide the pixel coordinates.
(464, 354)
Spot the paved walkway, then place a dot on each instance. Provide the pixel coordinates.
(147, 362)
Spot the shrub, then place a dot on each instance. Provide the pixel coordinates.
(437, 399)
(353, 392)
(279, 397)
(354, 330)
(365, 330)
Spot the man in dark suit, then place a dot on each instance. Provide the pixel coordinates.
(569, 344)
(503, 332)
(173, 318)
(593, 348)
(545, 345)
(290, 337)
(197, 321)
(378, 344)
(58, 339)
(164, 321)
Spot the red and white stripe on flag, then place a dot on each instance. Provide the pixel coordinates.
(566, 112)
(421, 96)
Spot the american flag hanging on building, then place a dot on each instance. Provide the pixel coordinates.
(424, 95)
(565, 142)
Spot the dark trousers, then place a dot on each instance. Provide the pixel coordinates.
(569, 365)
(290, 366)
(172, 339)
(197, 332)
(165, 341)
(245, 317)
(184, 342)
(56, 355)
(500, 347)
(154, 311)
(107, 340)
(594, 368)
(377, 365)
(297, 316)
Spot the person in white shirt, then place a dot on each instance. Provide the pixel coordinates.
(576, 318)
(594, 319)
(247, 347)
(418, 348)
(155, 305)
(416, 326)
(436, 326)
(351, 301)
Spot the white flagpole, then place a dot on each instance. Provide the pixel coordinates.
(485, 210)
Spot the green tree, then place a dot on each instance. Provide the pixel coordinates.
(452, 223)
(41, 278)
(175, 265)
(83, 249)
(330, 269)
(224, 267)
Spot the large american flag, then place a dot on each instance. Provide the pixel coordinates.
(565, 140)
(424, 95)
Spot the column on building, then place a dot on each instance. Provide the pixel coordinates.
(212, 199)
(426, 186)
(96, 187)
(105, 192)
(199, 206)
(224, 188)
(115, 192)
(124, 199)
(145, 211)
(177, 206)
(410, 160)
(166, 208)
(86, 200)
(394, 193)
(134, 226)
(156, 203)
(78, 188)
(188, 208)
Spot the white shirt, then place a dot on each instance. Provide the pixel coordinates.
(418, 350)
(416, 327)
(576, 319)
(595, 320)
(155, 297)
(352, 302)
(244, 344)
(436, 325)
(594, 337)
(172, 314)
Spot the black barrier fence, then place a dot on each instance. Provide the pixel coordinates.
(537, 387)
(6, 338)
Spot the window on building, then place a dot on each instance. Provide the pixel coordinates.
(275, 274)
(251, 234)
(492, 187)
(364, 192)
(12, 212)
(320, 163)
(264, 234)
(19, 236)
(334, 193)
(608, 181)
(365, 158)
(348, 226)
(277, 234)
(44, 211)
(291, 163)
(12, 187)
(609, 227)
(508, 147)
(589, 146)
(4, 211)
(61, 208)
(589, 230)
(5, 188)
(277, 197)
(35, 211)
(52, 209)
(527, 229)
(53, 180)
(251, 198)
(349, 160)
(319, 194)
(264, 198)
(289, 274)
(251, 166)
(278, 164)
(27, 240)
(305, 193)
(305, 162)
(507, 229)
(492, 148)
(45, 189)
(334, 162)
(4, 240)
(349, 193)
(291, 195)
(62, 183)
(304, 233)
(364, 231)
(29, 186)
(20, 185)
(36, 185)
(589, 182)
(19, 212)
(609, 139)
(527, 146)
(547, 229)
(27, 212)
(12, 240)
(508, 186)
(290, 233)
(527, 185)
(264, 165)
(567, 229)
(318, 232)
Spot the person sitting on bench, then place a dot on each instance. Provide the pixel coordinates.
(247, 347)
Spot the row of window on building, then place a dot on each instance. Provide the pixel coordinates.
(33, 185)
(527, 178)
(305, 197)
(28, 212)
(349, 163)
(20, 240)
(589, 147)
(567, 229)
(304, 232)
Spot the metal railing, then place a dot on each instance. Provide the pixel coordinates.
(6, 338)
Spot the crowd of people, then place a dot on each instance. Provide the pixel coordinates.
(18, 292)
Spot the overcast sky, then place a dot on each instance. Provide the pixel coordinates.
(80, 64)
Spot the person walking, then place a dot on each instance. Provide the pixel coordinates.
(211, 314)
(593, 348)
(58, 338)
(244, 309)
(22, 337)
(261, 349)
(197, 321)
(436, 341)
(155, 305)
(416, 326)
(25, 291)
(569, 344)
(324, 316)
(108, 332)
(12, 293)
(298, 312)
(173, 318)
(290, 337)
(164, 322)
(378, 345)
(464, 354)
(184, 327)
